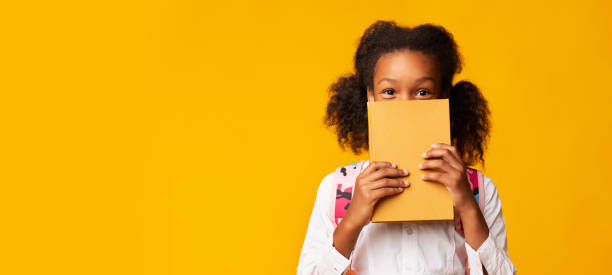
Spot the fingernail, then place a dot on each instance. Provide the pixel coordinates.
(404, 171)
(435, 145)
(406, 183)
(423, 176)
(400, 189)
(420, 166)
(393, 165)
(424, 154)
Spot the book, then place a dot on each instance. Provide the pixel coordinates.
(400, 131)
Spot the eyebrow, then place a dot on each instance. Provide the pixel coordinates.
(422, 79)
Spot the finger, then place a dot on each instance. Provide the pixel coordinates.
(388, 173)
(450, 148)
(444, 154)
(380, 193)
(376, 165)
(387, 182)
(440, 164)
(435, 177)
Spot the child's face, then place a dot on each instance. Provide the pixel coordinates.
(405, 75)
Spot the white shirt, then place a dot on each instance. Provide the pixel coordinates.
(405, 248)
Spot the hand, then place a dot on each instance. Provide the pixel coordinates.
(450, 171)
(377, 181)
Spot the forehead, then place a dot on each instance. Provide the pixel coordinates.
(406, 64)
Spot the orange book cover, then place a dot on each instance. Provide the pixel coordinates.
(400, 131)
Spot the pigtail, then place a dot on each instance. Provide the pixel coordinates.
(347, 110)
(470, 123)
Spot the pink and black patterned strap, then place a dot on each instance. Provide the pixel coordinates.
(344, 180)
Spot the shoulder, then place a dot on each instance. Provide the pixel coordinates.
(339, 174)
(490, 190)
(346, 174)
(492, 201)
(345, 170)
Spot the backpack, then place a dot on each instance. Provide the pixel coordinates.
(344, 181)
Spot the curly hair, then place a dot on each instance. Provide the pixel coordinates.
(469, 112)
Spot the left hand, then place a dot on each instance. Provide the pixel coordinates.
(450, 171)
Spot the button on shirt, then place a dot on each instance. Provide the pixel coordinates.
(428, 247)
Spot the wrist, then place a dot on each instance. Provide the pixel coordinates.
(350, 226)
(469, 206)
(345, 236)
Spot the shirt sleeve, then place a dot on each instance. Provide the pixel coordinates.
(493, 252)
(318, 255)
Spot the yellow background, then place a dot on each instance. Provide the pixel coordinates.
(186, 137)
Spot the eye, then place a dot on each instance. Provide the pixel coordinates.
(423, 92)
(389, 91)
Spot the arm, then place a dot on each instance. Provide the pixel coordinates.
(484, 231)
(318, 255)
(378, 180)
(474, 225)
(345, 237)
(446, 167)
(326, 250)
(492, 254)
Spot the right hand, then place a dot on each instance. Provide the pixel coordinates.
(377, 181)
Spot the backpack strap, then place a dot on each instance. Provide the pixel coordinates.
(344, 181)
(476, 179)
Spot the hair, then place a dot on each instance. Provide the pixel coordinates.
(469, 112)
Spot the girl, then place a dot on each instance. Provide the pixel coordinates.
(400, 63)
